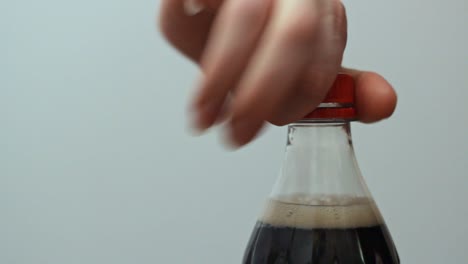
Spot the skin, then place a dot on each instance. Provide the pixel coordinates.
(267, 61)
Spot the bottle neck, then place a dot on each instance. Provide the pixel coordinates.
(319, 162)
(329, 134)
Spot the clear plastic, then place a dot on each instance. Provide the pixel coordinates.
(320, 210)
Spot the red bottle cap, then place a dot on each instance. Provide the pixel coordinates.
(339, 102)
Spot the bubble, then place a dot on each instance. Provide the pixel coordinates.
(321, 212)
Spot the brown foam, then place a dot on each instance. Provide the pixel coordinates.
(321, 212)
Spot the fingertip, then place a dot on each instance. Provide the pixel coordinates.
(375, 97)
(242, 131)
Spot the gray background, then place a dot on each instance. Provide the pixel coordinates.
(96, 165)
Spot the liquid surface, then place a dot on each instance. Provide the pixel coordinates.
(351, 233)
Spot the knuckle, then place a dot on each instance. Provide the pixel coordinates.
(315, 86)
(167, 22)
(337, 17)
(163, 26)
(333, 21)
(166, 30)
(332, 7)
(340, 18)
(337, 6)
(301, 28)
(248, 10)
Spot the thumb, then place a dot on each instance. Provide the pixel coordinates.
(376, 98)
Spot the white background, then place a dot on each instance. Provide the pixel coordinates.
(96, 165)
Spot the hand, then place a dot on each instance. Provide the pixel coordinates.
(267, 61)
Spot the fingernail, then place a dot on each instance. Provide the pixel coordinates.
(193, 126)
(228, 140)
(238, 133)
(193, 7)
(204, 117)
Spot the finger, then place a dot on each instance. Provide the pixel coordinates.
(375, 97)
(326, 55)
(305, 99)
(210, 5)
(280, 58)
(188, 32)
(231, 43)
(375, 100)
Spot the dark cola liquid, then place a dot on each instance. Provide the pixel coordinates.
(334, 243)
